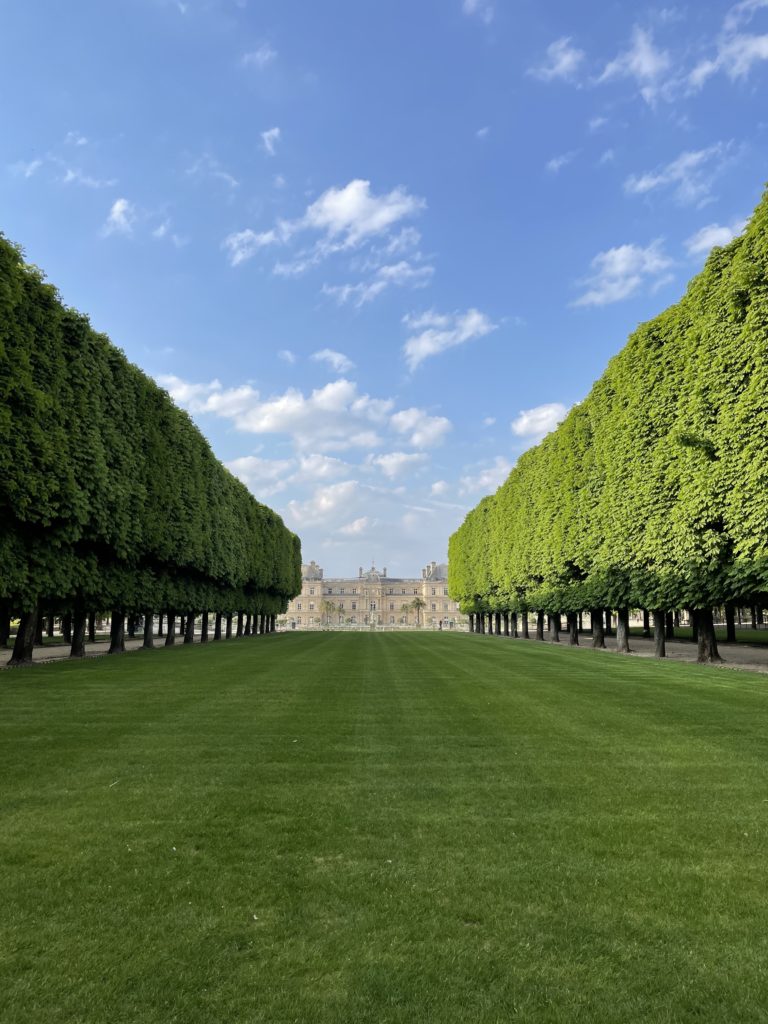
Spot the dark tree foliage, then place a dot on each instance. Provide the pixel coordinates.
(653, 492)
(110, 498)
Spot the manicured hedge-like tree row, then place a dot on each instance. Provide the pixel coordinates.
(110, 498)
(653, 492)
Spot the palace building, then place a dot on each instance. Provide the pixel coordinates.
(374, 599)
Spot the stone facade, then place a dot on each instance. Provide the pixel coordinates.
(374, 599)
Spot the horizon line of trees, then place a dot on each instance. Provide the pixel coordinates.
(110, 497)
(653, 491)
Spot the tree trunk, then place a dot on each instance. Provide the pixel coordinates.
(131, 626)
(694, 617)
(554, 629)
(608, 623)
(117, 633)
(228, 631)
(658, 633)
(25, 640)
(482, 622)
(66, 627)
(189, 631)
(5, 624)
(759, 611)
(513, 625)
(149, 636)
(505, 618)
(204, 628)
(669, 626)
(730, 623)
(92, 627)
(539, 625)
(272, 623)
(247, 626)
(707, 640)
(622, 631)
(598, 636)
(170, 629)
(49, 626)
(676, 619)
(39, 632)
(239, 631)
(79, 623)
(160, 626)
(581, 622)
(182, 625)
(217, 626)
(646, 623)
(572, 619)
(524, 624)
(471, 622)
(490, 624)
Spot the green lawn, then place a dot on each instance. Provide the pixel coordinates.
(363, 829)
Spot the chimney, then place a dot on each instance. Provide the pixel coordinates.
(360, 572)
(384, 571)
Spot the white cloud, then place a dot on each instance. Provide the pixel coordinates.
(74, 174)
(270, 139)
(421, 429)
(26, 169)
(163, 230)
(357, 526)
(489, 421)
(320, 467)
(399, 275)
(208, 166)
(607, 157)
(481, 8)
(539, 421)
(483, 133)
(259, 58)
(267, 475)
(242, 245)
(287, 356)
(334, 417)
(438, 487)
(641, 62)
(440, 331)
(691, 174)
(324, 503)
(279, 181)
(353, 213)
(563, 61)
(121, 219)
(394, 464)
(75, 139)
(596, 123)
(619, 272)
(488, 479)
(737, 51)
(336, 360)
(558, 162)
(713, 234)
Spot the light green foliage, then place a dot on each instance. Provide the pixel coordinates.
(109, 495)
(654, 490)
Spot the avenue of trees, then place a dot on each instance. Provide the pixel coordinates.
(653, 492)
(110, 498)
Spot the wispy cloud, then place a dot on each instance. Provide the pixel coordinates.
(562, 62)
(483, 133)
(641, 62)
(620, 272)
(400, 274)
(558, 162)
(208, 166)
(736, 51)
(75, 139)
(395, 464)
(487, 479)
(260, 58)
(287, 356)
(479, 8)
(73, 175)
(708, 237)
(437, 332)
(690, 175)
(26, 169)
(243, 245)
(270, 139)
(121, 218)
(336, 360)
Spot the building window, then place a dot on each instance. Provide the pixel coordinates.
(354, 607)
(391, 606)
(391, 620)
(445, 590)
(354, 590)
(341, 606)
(433, 591)
(298, 606)
(373, 606)
(402, 591)
(311, 606)
(354, 620)
(299, 620)
(445, 606)
(434, 608)
(415, 590)
(311, 590)
(390, 591)
(341, 591)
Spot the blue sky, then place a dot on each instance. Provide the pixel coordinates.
(377, 250)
